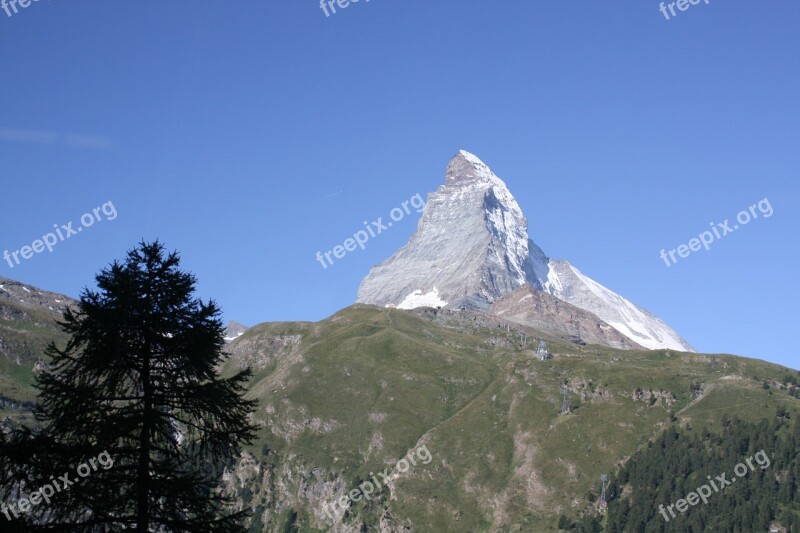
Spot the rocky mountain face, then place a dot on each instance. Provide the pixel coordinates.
(234, 330)
(471, 248)
(28, 320)
(566, 282)
(17, 297)
(541, 310)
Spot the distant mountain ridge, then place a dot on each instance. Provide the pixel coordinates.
(234, 330)
(28, 323)
(29, 297)
(471, 248)
(28, 318)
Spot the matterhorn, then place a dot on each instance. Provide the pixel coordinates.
(471, 251)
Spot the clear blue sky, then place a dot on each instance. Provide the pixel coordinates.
(251, 134)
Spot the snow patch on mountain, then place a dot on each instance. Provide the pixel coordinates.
(417, 299)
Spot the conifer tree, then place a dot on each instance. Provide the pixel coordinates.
(138, 381)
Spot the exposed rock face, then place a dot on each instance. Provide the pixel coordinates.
(566, 282)
(531, 307)
(234, 330)
(471, 248)
(262, 351)
(28, 318)
(17, 298)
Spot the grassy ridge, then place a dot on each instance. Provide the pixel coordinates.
(23, 340)
(360, 389)
(352, 394)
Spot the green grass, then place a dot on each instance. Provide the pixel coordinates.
(346, 397)
(368, 384)
(26, 338)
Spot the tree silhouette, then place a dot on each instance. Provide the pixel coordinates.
(139, 381)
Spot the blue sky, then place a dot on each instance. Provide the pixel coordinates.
(249, 135)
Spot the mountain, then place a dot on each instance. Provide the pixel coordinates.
(27, 324)
(357, 396)
(19, 301)
(343, 400)
(566, 282)
(471, 247)
(531, 307)
(234, 330)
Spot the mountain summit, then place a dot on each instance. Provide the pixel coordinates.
(471, 248)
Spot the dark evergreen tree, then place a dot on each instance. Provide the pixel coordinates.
(138, 382)
(679, 462)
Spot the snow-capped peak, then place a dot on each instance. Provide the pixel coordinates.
(471, 247)
(466, 168)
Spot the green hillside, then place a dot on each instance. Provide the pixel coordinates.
(345, 398)
(350, 395)
(26, 328)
